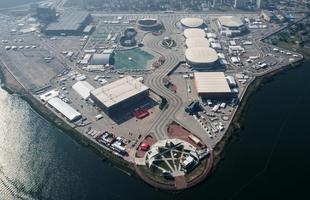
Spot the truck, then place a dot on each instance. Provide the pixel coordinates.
(216, 108)
(98, 117)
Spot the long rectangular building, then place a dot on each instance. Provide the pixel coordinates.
(211, 84)
(65, 109)
(119, 95)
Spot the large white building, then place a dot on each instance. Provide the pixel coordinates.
(231, 26)
(65, 109)
(83, 88)
(201, 57)
(192, 22)
(211, 84)
(119, 95)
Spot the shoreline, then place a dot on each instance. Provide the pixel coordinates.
(237, 121)
(12, 86)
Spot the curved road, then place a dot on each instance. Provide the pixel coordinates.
(155, 82)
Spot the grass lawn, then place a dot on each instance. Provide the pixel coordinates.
(139, 59)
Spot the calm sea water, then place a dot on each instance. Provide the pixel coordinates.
(268, 159)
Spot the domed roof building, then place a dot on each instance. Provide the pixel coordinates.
(192, 22)
(202, 57)
(101, 59)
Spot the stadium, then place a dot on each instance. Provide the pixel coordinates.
(201, 57)
(191, 22)
(231, 26)
(149, 24)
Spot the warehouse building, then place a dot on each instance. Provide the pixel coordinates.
(83, 88)
(211, 85)
(192, 22)
(117, 96)
(69, 23)
(64, 109)
(231, 26)
(201, 58)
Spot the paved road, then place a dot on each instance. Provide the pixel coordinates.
(155, 81)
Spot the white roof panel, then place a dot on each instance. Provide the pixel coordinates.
(211, 82)
(201, 55)
(64, 108)
(48, 95)
(83, 88)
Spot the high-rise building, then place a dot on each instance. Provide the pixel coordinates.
(240, 3)
(217, 3)
(46, 12)
(258, 4)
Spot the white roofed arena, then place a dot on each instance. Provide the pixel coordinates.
(192, 22)
(201, 57)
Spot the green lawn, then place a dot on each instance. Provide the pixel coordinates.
(139, 59)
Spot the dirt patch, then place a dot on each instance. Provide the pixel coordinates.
(177, 131)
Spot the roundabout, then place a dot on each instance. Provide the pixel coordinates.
(168, 42)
